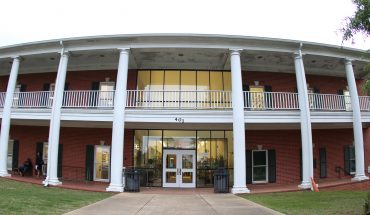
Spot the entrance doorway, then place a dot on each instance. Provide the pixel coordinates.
(179, 168)
(102, 162)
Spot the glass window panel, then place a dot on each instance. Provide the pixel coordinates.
(172, 80)
(170, 177)
(140, 146)
(230, 148)
(259, 158)
(171, 161)
(218, 149)
(156, 85)
(187, 177)
(172, 84)
(216, 80)
(204, 150)
(188, 86)
(187, 161)
(227, 81)
(179, 139)
(259, 173)
(155, 149)
(143, 80)
(202, 86)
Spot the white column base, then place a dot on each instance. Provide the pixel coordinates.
(53, 182)
(360, 178)
(115, 188)
(305, 185)
(240, 190)
(4, 174)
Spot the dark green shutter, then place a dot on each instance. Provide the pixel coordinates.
(346, 160)
(39, 148)
(322, 152)
(272, 165)
(21, 100)
(60, 160)
(247, 101)
(89, 163)
(66, 87)
(300, 165)
(23, 88)
(46, 87)
(94, 96)
(342, 102)
(248, 166)
(268, 97)
(15, 154)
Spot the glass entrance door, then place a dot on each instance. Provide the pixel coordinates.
(101, 167)
(178, 168)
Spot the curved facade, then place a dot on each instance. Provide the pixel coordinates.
(179, 107)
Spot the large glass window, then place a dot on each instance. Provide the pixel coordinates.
(214, 149)
(185, 89)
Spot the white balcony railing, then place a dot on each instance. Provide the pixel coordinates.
(88, 99)
(36, 99)
(179, 99)
(258, 101)
(2, 99)
(364, 103)
(329, 102)
(270, 100)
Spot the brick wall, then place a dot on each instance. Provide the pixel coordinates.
(74, 141)
(287, 144)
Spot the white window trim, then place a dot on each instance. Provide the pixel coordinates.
(97, 179)
(267, 168)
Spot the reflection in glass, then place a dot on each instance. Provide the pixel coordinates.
(187, 177)
(179, 139)
(102, 156)
(170, 177)
(171, 161)
(259, 173)
(187, 161)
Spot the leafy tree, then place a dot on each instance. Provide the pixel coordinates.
(359, 22)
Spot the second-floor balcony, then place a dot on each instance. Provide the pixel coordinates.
(213, 100)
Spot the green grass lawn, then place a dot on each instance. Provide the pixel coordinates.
(330, 202)
(24, 198)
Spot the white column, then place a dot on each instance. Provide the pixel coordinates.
(306, 133)
(54, 130)
(240, 185)
(357, 124)
(5, 122)
(116, 184)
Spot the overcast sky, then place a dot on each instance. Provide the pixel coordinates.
(307, 20)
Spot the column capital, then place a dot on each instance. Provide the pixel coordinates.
(17, 57)
(65, 53)
(348, 61)
(235, 51)
(124, 50)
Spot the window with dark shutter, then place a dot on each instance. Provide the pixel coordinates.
(15, 154)
(322, 152)
(248, 166)
(89, 163)
(268, 97)
(94, 96)
(60, 160)
(272, 166)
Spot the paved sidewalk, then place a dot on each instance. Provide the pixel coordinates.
(137, 203)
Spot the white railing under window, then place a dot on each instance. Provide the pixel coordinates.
(329, 102)
(88, 98)
(364, 103)
(2, 99)
(36, 99)
(179, 99)
(270, 100)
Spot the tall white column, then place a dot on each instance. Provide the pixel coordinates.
(306, 132)
(5, 122)
(116, 184)
(54, 130)
(357, 125)
(240, 185)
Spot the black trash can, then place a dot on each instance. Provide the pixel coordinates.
(132, 180)
(221, 184)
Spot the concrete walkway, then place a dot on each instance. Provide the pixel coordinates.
(137, 203)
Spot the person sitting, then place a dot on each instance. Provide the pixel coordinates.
(38, 165)
(25, 167)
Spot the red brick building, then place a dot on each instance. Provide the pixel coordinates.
(178, 107)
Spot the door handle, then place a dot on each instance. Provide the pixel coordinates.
(180, 171)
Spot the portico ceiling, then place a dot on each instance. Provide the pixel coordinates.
(188, 55)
